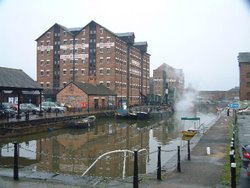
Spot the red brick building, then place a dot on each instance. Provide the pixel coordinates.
(93, 54)
(85, 95)
(244, 65)
(168, 82)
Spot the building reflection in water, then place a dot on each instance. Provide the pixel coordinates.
(73, 151)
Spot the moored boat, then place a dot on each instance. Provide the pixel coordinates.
(83, 123)
(142, 112)
(143, 115)
(126, 114)
(189, 133)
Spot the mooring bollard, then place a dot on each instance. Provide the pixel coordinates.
(233, 142)
(16, 161)
(27, 116)
(232, 145)
(135, 180)
(159, 164)
(178, 159)
(208, 151)
(232, 158)
(189, 156)
(233, 175)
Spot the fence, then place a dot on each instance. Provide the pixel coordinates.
(175, 163)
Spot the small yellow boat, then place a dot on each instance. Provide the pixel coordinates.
(189, 133)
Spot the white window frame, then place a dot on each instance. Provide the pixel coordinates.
(101, 71)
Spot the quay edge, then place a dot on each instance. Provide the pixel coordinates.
(43, 124)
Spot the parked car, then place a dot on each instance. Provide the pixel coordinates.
(245, 111)
(11, 105)
(52, 107)
(6, 111)
(67, 106)
(245, 155)
(30, 108)
(248, 170)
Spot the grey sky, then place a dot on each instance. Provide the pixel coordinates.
(199, 36)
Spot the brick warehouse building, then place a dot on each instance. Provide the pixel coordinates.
(93, 54)
(167, 83)
(244, 66)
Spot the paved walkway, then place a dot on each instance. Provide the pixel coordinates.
(203, 170)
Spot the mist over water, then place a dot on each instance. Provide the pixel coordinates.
(186, 105)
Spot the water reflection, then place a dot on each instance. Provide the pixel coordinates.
(73, 151)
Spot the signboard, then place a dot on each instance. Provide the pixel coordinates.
(234, 105)
(190, 118)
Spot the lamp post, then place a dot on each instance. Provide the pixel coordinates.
(73, 76)
(121, 82)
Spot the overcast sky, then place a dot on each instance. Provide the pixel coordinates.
(202, 37)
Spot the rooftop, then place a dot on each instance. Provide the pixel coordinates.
(244, 57)
(17, 79)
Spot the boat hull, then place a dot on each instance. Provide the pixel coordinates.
(189, 133)
(83, 123)
(143, 115)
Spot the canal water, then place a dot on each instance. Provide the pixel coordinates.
(72, 152)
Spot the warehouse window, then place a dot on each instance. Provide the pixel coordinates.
(101, 31)
(101, 71)
(248, 75)
(108, 84)
(108, 71)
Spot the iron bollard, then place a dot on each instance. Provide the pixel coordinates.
(234, 134)
(40, 113)
(27, 116)
(16, 161)
(189, 156)
(233, 175)
(159, 164)
(232, 145)
(178, 159)
(233, 141)
(135, 179)
(8, 117)
(232, 157)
